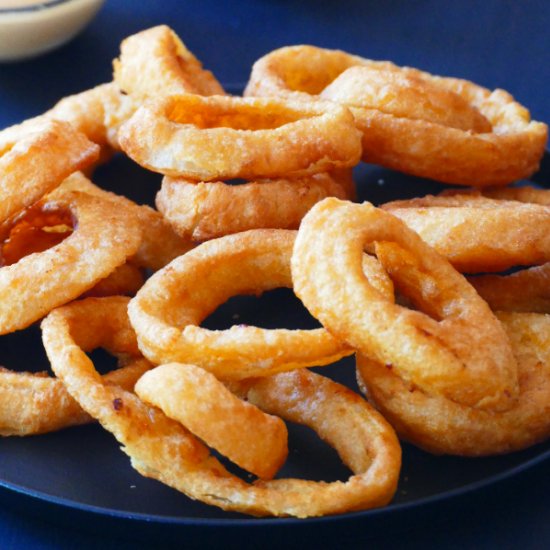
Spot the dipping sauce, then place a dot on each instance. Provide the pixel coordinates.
(26, 33)
(20, 3)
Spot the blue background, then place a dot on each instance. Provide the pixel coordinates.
(496, 43)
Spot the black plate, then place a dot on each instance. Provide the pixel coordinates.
(83, 470)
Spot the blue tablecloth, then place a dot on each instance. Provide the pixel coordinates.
(496, 43)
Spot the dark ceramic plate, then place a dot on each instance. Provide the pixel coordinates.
(82, 469)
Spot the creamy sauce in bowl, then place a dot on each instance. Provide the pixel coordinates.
(30, 27)
(7, 4)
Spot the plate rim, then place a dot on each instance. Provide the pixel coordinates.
(390, 509)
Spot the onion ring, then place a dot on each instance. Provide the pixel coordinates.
(34, 230)
(125, 280)
(167, 310)
(105, 236)
(33, 404)
(301, 72)
(478, 234)
(181, 136)
(199, 210)
(404, 95)
(443, 427)
(511, 151)
(524, 291)
(525, 193)
(160, 244)
(97, 113)
(162, 449)
(155, 62)
(463, 355)
(23, 177)
(255, 441)
(38, 230)
(36, 403)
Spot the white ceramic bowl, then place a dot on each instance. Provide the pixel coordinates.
(34, 28)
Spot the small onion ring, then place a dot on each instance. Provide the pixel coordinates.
(220, 137)
(478, 234)
(35, 403)
(39, 162)
(465, 355)
(105, 236)
(168, 309)
(255, 441)
(155, 62)
(511, 151)
(443, 427)
(162, 449)
(199, 211)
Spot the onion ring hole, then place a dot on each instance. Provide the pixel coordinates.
(285, 311)
(224, 115)
(37, 229)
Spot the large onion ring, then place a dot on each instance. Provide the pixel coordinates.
(478, 234)
(464, 355)
(512, 150)
(255, 441)
(104, 237)
(168, 309)
(155, 62)
(162, 449)
(199, 210)
(219, 137)
(444, 427)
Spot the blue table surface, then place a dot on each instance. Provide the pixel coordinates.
(496, 43)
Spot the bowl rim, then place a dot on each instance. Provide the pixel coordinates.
(44, 4)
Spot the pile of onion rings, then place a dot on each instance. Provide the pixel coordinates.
(258, 193)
